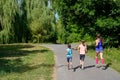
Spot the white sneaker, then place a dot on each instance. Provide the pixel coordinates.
(103, 67)
(97, 66)
(82, 68)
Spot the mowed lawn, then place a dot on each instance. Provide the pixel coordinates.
(26, 62)
(111, 56)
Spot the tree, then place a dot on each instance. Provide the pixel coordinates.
(86, 18)
(26, 20)
(40, 20)
(60, 32)
(8, 10)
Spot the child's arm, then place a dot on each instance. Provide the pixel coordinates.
(66, 52)
(78, 48)
(73, 48)
(86, 49)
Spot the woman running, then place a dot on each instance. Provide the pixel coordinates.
(99, 50)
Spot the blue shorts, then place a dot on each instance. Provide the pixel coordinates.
(99, 49)
(69, 59)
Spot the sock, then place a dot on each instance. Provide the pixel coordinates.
(102, 60)
(96, 60)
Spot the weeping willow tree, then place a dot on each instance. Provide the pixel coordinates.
(21, 29)
(25, 20)
(40, 20)
(61, 33)
(8, 10)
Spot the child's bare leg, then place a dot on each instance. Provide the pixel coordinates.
(82, 64)
(68, 65)
(71, 65)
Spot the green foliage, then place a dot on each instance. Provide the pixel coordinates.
(60, 32)
(40, 18)
(26, 20)
(8, 11)
(34, 21)
(86, 18)
(25, 62)
(73, 37)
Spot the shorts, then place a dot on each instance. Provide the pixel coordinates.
(69, 59)
(99, 50)
(82, 57)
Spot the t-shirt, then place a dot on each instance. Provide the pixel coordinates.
(82, 49)
(69, 52)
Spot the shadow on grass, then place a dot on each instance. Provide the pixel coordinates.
(14, 46)
(17, 66)
(108, 65)
(9, 64)
(18, 53)
(16, 50)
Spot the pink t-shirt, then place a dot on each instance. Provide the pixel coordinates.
(82, 49)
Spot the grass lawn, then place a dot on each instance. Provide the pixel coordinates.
(26, 62)
(111, 56)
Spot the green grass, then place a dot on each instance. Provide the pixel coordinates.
(111, 56)
(26, 62)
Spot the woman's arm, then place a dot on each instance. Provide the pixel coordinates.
(96, 42)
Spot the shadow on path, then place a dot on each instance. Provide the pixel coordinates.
(60, 66)
(74, 69)
(90, 66)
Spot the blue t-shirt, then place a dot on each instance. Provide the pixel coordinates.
(69, 52)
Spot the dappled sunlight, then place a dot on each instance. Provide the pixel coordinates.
(19, 50)
(24, 59)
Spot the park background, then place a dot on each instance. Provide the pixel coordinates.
(57, 21)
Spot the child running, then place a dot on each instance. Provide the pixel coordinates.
(69, 57)
(82, 48)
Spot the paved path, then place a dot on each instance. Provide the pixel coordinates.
(89, 73)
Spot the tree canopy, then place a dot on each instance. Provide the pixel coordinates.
(26, 21)
(83, 19)
(34, 20)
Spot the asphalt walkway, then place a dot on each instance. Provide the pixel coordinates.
(89, 73)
